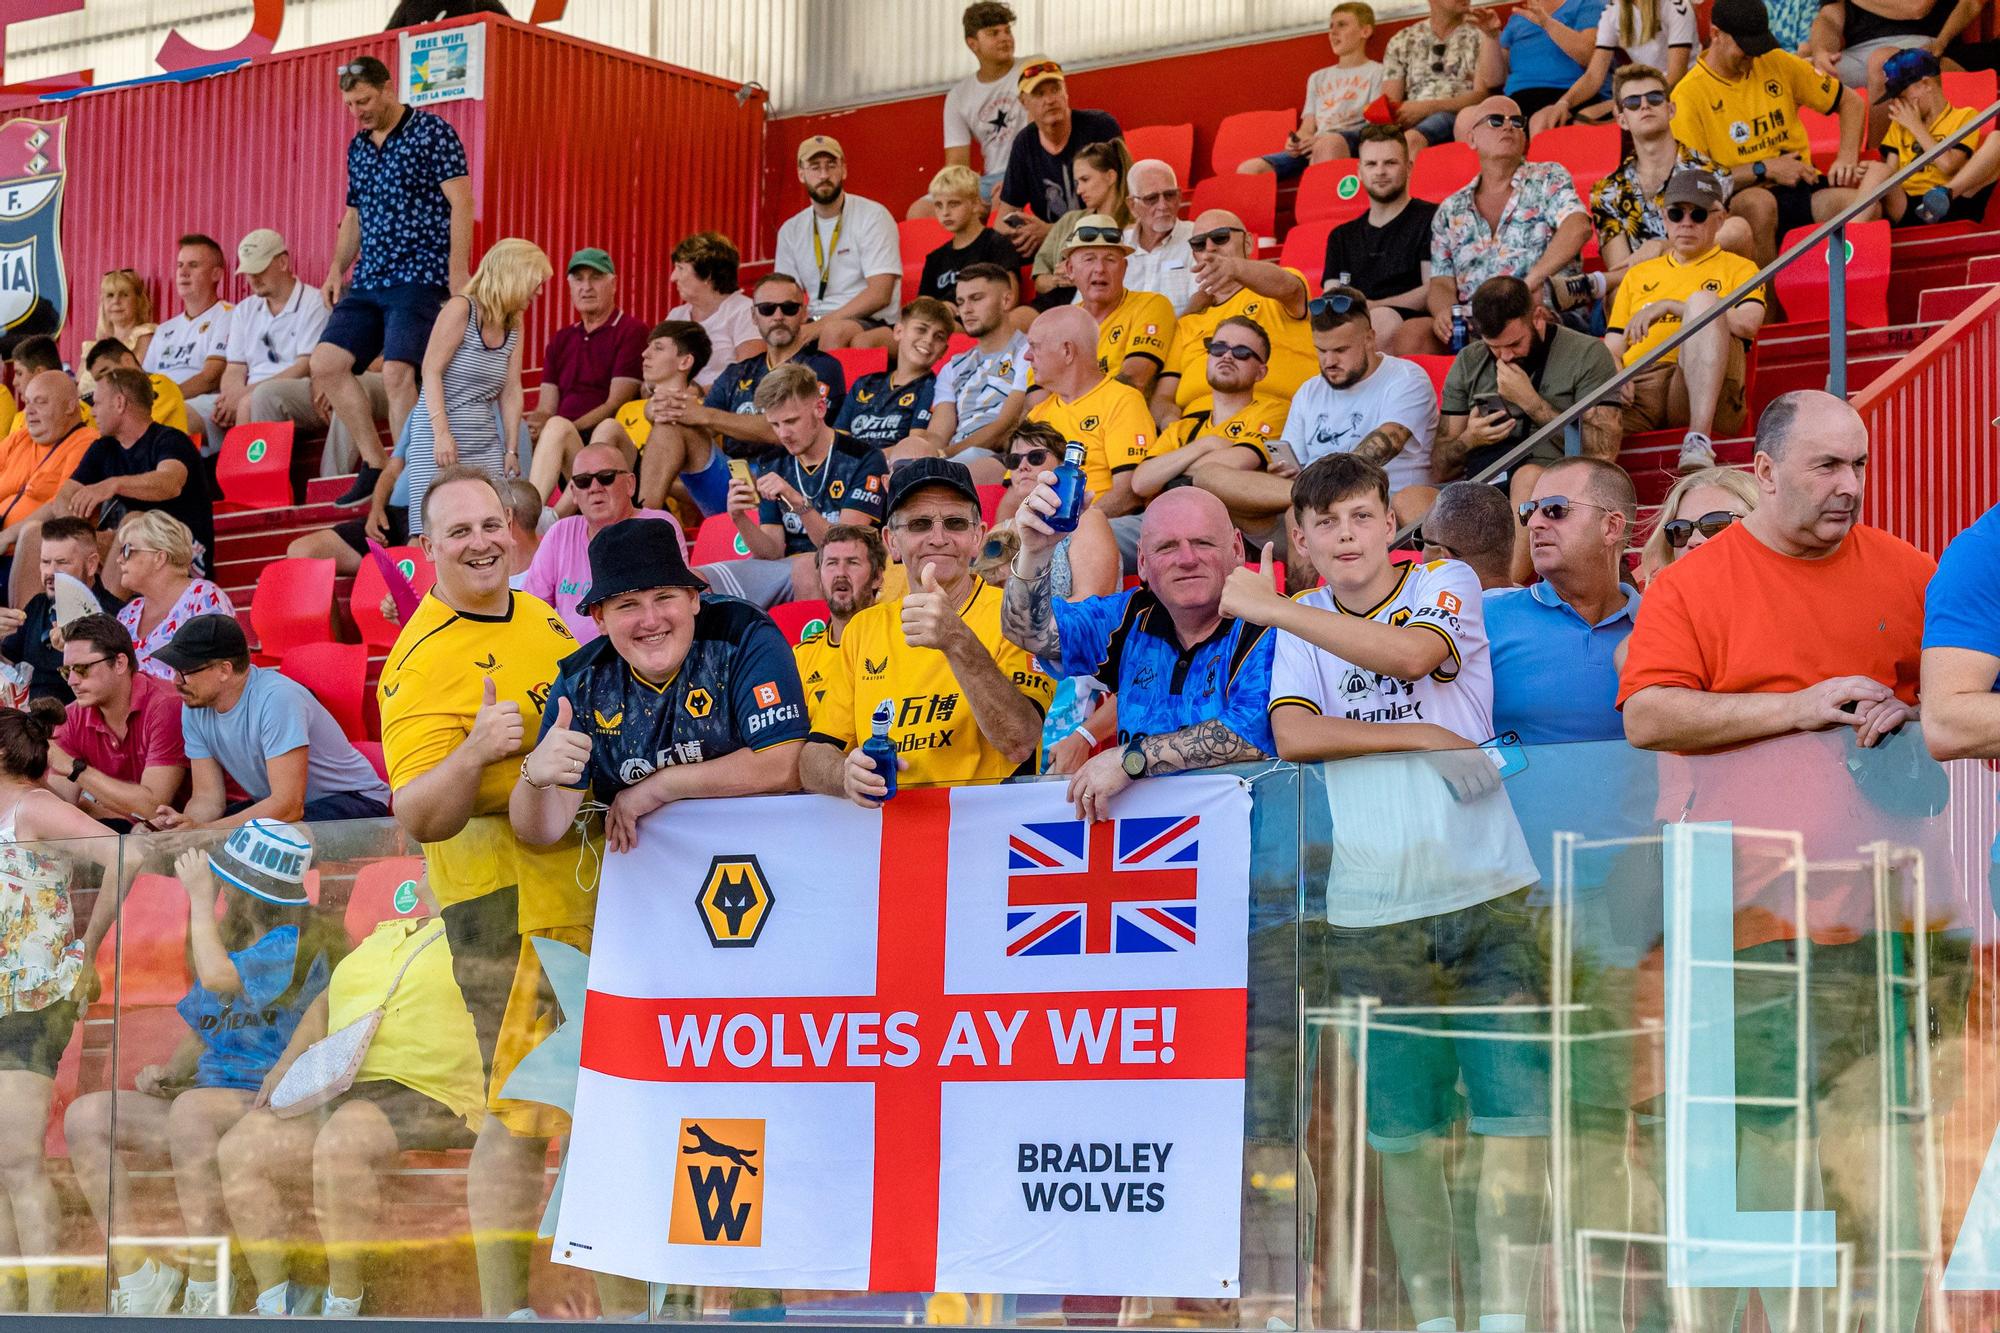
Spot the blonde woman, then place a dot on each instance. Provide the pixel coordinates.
(469, 408)
(124, 311)
(156, 569)
(1700, 505)
(1657, 33)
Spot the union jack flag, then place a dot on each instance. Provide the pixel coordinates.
(1116, 886)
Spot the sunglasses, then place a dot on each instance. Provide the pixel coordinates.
(1036, 71)
(957, 525)
(1686, 213)
(350, 74)
(785, 308)
(1157, 197)
(76, 670)
(1335, 303)
(1432, 544)
(1500, 120)
(1633, 101)
(583, 481)
(1555, 508)
(1205, 240)
(1679, 530)
(128, 550)
(1097, 236)
(1216, 347)
(1031, 458)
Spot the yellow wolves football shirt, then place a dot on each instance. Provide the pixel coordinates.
(1261, 421)
(1736, 121)
(1668, 278)
(1903, 144)
(431, 688)
(632, 417)
(818, 658)
(1293, 360)
(1142, 325)
(1113, 422)
(934, 728)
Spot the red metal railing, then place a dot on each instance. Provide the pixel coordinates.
(1934, 454)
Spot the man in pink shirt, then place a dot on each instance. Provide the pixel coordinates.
(119, 752)
(560, 573)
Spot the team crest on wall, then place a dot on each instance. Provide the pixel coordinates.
(34, 291)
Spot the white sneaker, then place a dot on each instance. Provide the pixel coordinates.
(340, 1307)
(151, 1290)
(202, 1299)
(1697, 452)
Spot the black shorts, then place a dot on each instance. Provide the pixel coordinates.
(1794, 206)
(34, 1040)
(421, 1123)
(485, 938)
(355, 530)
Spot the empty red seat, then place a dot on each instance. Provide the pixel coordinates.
(795, 619)
(254, 468)
(989, 503)
(1305, 250)
(1971, 87)
(337, 675)
(1437, 367)
(293, 604)
(916, 238)
(718, 540)
(1441, 171)
(1802, 284)
(1331, 192)
(1251, 198)
(1172, 144)
(370, 587)
(384, 890)
(1249, 134)
(1591, 152)
(858, 361)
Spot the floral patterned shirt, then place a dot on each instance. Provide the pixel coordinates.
(1464, 248)
(40, 955)
(1621, 209)
(200, 598)
(1432, 67)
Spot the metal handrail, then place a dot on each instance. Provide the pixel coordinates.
(1836, 257)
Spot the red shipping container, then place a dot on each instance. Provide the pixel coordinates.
(573, 144)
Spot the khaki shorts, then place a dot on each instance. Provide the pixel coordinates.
(1660, 397)
(530, 1019)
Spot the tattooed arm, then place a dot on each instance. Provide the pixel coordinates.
(1027, 612)
(1204, 745)
(1384, 442)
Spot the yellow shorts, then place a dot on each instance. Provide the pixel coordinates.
(531, 1016)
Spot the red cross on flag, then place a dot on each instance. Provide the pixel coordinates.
(813, 1056)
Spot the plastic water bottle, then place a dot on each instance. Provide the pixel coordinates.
(880, 748)
(1346, 280)
(1461, 329)
(1072, 491)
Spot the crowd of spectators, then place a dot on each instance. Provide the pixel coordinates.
(1250, 447)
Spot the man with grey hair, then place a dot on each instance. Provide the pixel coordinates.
(1470, 521)
(1162, 259)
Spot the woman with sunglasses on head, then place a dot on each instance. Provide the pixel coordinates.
(1699, 506)
(471, 367)
(1100, 170)
(156, 569)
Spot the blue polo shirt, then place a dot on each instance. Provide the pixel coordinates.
(1533, 58)
(396, 191)
(1127, 640)
(1962, 605)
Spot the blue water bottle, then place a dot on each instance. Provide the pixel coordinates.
(1461, 329)
(880, 748)
(1072, 491)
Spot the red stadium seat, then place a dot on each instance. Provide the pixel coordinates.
(383, 891)
(795, 618)
(1252, 198)
(958, 342)
(293, 605)
(1172, 144)
(1437, 367)
(365, 602)
(858, 361)
(717, 541)
(1802, 286)
(1331, 192)
(254, 468)
(1442, 171)
(1591, 152)
(372, 752)
(337, 675)
(1249, 134)
(1823, 130)
(1305, 250)
(989, 503)
(147, 950)
(917, 237)
(1971, 87)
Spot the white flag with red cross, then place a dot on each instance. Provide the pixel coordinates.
(964, 1043)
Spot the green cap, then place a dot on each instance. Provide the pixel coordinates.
(590, 257)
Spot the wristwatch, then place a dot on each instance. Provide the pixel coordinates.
(1759, 170)
(76, 769)
(1135, 758)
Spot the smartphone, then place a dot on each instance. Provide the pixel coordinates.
(1490, 406)
(739, 470)
(1283, 452)
(1013, 219)
(1506, 753)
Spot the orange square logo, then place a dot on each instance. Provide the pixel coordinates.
(719, 1188)
(1448, 602)
(766, 694)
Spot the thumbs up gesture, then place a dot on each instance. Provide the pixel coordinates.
(929, 618)
(563, 754)
(496, 727)
(1252, 594)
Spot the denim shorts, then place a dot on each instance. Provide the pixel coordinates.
(1481, 955)
(1438, 127)
(391, 322)
(1287, 166)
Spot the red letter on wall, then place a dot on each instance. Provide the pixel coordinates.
(177, 52)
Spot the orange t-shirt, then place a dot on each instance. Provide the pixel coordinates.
(30, 473)
(1736, 617)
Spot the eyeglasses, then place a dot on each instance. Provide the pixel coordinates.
(1097, 236)
(1030, 458)
(1694, 213)
(77, 670)
(1500, 120)
(1432, 544)
(128, 550)
(1216, 347)
(1156, 198)
(1335, 303)
(181, 676)
(583, 481)
(1679, 530)
(1633, 101)
(785, 308)
(957, 525)
(1555, 508)
(1204, 240)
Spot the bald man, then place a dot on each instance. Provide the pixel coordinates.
(1193, 683)
(38, 455)
(1228, 282)
(1543, 233)
(1084, 403)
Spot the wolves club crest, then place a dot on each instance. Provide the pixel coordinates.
(33, 288)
